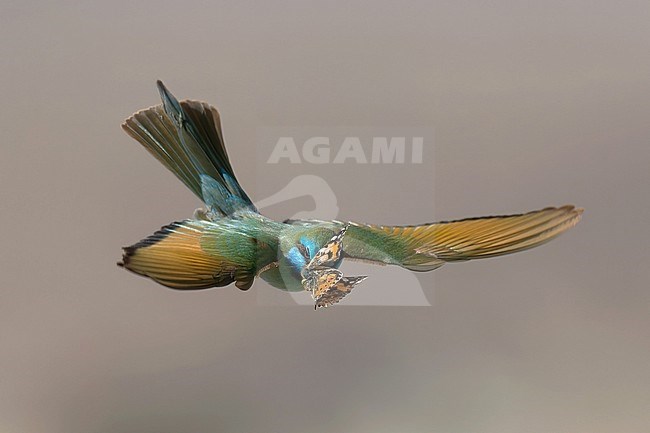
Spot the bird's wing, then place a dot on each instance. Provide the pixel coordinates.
(193, 255)
(429, 246)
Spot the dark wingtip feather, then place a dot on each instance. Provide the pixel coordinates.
(128, 252)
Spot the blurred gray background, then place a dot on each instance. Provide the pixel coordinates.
(533, 104)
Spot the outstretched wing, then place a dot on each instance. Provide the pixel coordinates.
(429, 246)
(193, 255)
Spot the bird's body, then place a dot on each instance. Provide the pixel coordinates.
(231, 242)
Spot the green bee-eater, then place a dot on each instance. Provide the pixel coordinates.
(230, 241)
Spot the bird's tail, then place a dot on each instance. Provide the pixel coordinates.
(186, 137)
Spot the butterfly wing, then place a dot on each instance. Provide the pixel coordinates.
(319, 280)
(337, 292)
(330, 253)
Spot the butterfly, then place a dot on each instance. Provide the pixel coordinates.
(327, 284)
(338, 291)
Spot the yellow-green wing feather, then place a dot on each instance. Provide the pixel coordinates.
(193, 255)
(429, 246)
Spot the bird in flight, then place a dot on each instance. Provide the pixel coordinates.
(231, 242)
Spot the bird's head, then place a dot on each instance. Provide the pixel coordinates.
(302, 252)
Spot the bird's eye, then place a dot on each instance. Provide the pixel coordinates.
(303, 250)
